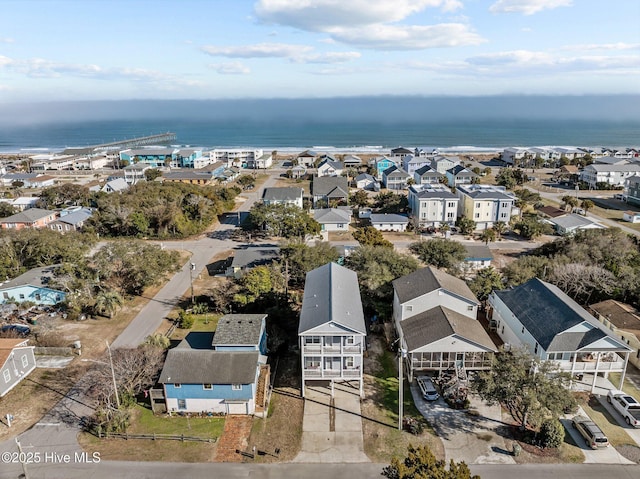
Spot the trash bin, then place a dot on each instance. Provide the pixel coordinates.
(517, 449)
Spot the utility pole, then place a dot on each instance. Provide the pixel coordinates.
(400, 382)
(191, 270)
(113, 376)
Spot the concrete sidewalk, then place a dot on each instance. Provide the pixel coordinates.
(332, 433)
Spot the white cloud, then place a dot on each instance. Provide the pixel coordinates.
(329, 57)
(527, 7)
(620, 46)
(391, 37)
(231, 68)
(259, 50)
(6, 40)
(321, 15)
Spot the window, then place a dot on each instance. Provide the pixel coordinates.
(522, 329)
(477, 215)
(182, 404)
(350, 340)
(348, 362)
(177, 385)
(477, 205)
(312, 340)
(37, 295)
(410, 308)
(340, 225)
(208, 387)
(312, 363)
(25, 361)
(535, 350)
(236, 387)
(503, 215)
(21, 296)
(469, 308)
(7, 375)
(5, 295)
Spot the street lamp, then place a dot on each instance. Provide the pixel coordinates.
(113, 373)
(191, 270)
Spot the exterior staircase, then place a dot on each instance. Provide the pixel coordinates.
(263, 392)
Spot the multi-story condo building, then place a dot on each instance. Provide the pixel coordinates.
(238, 157)
(485, 204)
(614, 175)
(433, 205)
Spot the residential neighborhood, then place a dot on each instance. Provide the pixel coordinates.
(310, 284)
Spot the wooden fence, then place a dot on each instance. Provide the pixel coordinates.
(155, 437)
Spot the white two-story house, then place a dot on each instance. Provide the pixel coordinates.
(332, 329)
(538, 316)
(433, 204)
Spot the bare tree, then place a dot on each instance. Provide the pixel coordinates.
(582, 281)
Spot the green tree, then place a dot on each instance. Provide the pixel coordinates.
(285, 221)
(499, 227)
(488, 234)
(246, 181)
(369, 236)
(7, 210)
(390, 202)
(421, 463)
(360, 199)
(466, 225)
(108, 302)
(524, 268)
(530, 389)
(255, 283)
(64, 195)
(484, 282)
(569, 202)
(586, 205)
(301, 258)
(439, 252)
(377, 267)
(530, 227)
(152, 173)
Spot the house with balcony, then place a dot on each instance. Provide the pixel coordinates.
(135, 172)
(540, 317)
(427, 176)
(433, 204)
(152, 157)
(365, 181)
(443, 163)
(435, 315)
(624, 321)
(459, 175)
(333, 219)
(332, 330)
(401, 152)
(225, 372)
(235, 157)
(261, 163)
(612, 175)
(395, 178)
(382, 163)
(389, 221)
(352, 161)
(632, 190)
(307, 158)
(328, 167)
(485, 204)
(412, 163)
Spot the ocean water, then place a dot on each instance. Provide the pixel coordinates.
(302, 133)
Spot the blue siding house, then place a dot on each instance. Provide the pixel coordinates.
(34, 286)
(224, 372)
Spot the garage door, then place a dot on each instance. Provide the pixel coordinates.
(237, 408)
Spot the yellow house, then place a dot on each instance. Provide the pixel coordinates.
(623, 321)
(485, 204)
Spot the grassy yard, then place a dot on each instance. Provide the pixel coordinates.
(144, 422)
(599, 414)
(627, 387)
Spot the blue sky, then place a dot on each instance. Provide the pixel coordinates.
(206, 49)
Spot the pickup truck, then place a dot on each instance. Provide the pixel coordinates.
(625, 405)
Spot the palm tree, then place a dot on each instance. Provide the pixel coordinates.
(569, 201)
(586, 205)
(444, 228)
(499, 227)
(108, 302)
(487, 235)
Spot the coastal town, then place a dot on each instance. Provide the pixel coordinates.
(194, 305)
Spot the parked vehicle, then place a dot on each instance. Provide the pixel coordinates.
(593, 435)
(626, 405)
(428, 390)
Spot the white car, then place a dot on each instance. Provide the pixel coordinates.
(428, 390)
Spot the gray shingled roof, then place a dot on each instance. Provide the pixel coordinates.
(440, 322)
(430, 279)
(324, 185)
(28, 216)
(76, 217)
(253, 256)
(546, 312)
(571, 221)
(331, 294)
(39, 277)
(332, 216)
(287, 193)
(478, 252)
(428, 171)
(188, 175)
(201, 366)
(239, 330)
(389, 218)
(433, 192)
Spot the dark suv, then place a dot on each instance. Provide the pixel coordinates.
(592, 434)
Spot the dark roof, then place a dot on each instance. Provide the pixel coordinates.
(201, 366)
(546, 313)
(401, 150)
(622, 316)
(389, 218)
(253, 256)
(460, 170)
(39, 277)
(478, 252)
(395, 171)
(552, 211)
(330, 185)
(331, 294)
(433, 191)
(197, 340)
(188, 175)
(430, 279)
(239, 330)
(428, 171)
(286, 193)
(440, 322)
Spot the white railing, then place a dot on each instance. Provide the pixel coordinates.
(332, 373)
(591, 365)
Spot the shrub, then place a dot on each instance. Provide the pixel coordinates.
(185, 320)
(551, 433)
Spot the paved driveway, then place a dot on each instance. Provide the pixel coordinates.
(634, 432)
(607, 455)
(473, 439)
(332, 433)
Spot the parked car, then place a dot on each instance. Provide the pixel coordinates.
(626, 405)
(593, 435)
(428, 390)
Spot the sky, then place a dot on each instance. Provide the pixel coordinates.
(54, 50)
